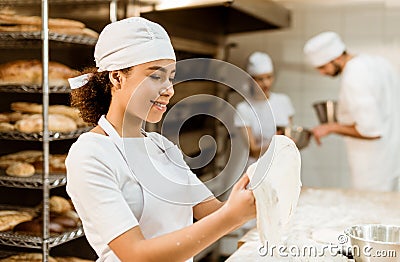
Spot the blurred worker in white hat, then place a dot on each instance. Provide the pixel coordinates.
(367, 111)
(258, 115)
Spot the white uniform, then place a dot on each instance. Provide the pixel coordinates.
(108, 192)
(369, 98)
(262, 121)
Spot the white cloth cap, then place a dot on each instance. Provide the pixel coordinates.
(259, 63)
(131, 41)
(323, 48)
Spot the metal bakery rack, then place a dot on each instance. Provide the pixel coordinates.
(44, 180)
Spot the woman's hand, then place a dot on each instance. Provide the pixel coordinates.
(240, 206)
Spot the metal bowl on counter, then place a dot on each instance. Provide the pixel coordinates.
(374, 242)
(326, 111)
(301, 136)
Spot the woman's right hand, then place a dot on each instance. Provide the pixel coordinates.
(241, 205)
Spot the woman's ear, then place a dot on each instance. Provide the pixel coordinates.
(115, 79)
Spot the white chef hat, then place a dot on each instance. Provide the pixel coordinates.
(323, 48)
(259, 63)
(131, 41)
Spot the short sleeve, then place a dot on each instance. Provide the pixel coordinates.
(242, 114)
(95, 193)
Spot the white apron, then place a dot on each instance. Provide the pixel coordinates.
(158, 216)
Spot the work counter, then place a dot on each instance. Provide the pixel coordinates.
(319, 221)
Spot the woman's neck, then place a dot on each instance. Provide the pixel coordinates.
(126, 124)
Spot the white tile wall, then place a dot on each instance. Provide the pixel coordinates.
(372, 28)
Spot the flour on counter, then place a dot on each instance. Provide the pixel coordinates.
(275, 178)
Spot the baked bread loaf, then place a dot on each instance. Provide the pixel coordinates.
(23, 155)
(29, 72)
(4, 118)
(27, 257)
(15, 116)
(35, 227)
(26, 107)
(20, 169)
(5, 163)
(6, 127)
(10, 218)
(59, 204)
(13, 19)
(57, 123)
(63, 220)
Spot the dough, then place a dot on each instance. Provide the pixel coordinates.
(275, 179)
(327, 235)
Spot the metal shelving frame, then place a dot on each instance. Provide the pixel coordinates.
(45, 180)
(33, 89)
(36, 35)
(31, 241)
(40, 136)
(34, 182)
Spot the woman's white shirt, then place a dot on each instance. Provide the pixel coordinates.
(108, 199)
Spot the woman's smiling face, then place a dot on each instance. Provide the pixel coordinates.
(147, 89)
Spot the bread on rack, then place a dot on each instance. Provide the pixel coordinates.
(33, 108)
(59, 205)
(25, 257)
(35, 227)
(20, 169)
(6, 127)
(14, 19)
(23, 155)
(57, 123)
(10, 218)
(15, 116)
(10, 22)
(29, 72)
(35, 158)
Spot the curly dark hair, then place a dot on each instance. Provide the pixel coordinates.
(94, 98)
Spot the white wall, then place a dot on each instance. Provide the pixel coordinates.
(371, 28)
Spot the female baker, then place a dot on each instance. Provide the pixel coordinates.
(258, 117)
(132, 190)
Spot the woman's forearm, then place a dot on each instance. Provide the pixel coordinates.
(179, 245)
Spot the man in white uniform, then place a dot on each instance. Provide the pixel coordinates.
(368, 111)
(258, 116)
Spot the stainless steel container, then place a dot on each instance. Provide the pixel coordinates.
(374, 242)
(300, 135)
(326, 111)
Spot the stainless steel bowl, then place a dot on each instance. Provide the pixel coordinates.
(375, 242)
(300, 135)
(326, 111)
